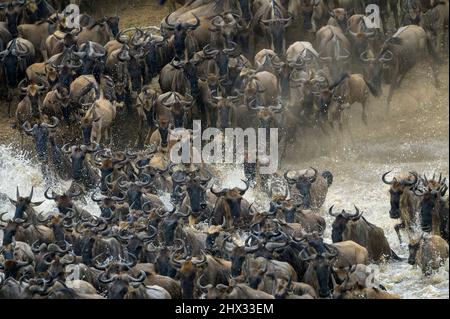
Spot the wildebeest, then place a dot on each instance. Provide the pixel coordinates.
(434, 214)
(400, 53)
(311, 187)
(404, 203)
(231, 208)
(428, 252)
(356, 228)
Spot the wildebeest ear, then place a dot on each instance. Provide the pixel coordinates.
(12, 201)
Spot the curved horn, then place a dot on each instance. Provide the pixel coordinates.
(383, 178)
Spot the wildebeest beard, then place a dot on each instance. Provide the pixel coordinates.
(324, 273)
(8, 235)
(304, 188)
(135, 246)
(289, 214)
(12, 20)
(187, 284)
(10, 66)
(394, 212)
(135, 70)
(277, 32)
(106, 212)
(196, 198)
(235, 207)
(87, 244)
(104, 172)
(40, 139)
(118, 289)
(339, 226)
(164, 132)
(426, 210)
(169, 226)
(134, 195)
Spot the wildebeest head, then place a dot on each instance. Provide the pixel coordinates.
(229, 201)
(77, 157)
(225, 110)
(92, 54)
(23, 205)
(178, 106)
(275, 29)
(341, 221)
(307, 9)
(377, 65)
(361, 36)
(113, 23)
(14, 60)
(238, 255)
(32, 12)
(221, 58)
(320, 267)
(189, 72)
(398, 189)
(341, 17)
(123, 285)
(40, 133)
(33, 93)
(187, 270)
(134, 190)
(283, 206)
(12, 267)
(432, 196)
(63, 202)
(12, 15)
(303, 183)
(180, 33)
(107, 163)
(195, 189)
(267, 114)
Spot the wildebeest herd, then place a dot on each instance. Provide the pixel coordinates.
(230, 64)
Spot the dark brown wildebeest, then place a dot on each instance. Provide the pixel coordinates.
(358, 229)
(215, 270)
(231, 208)
(404, 203)
(311, 187)
(434, 213)
(400, 53)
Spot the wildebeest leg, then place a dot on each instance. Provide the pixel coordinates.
(9, 98)
(392, 88)
(397, 230)
(364, 113)
(394, 8)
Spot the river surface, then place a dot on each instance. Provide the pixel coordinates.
(413, 135)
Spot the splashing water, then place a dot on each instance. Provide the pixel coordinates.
(413, 136)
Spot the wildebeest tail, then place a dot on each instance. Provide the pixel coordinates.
(433, 52)
(395, 256)
(328, 176)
